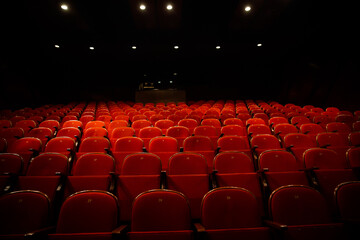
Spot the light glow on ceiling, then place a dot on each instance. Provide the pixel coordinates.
(57, 46)
(176, 47)
(133, 47)
(142, 7)
(247, 8)
(169, 7)
(64, 7)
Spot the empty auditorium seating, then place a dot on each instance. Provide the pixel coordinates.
(202, 145)
(93, 144)
(147, 133)
(298, 143)
(233, 130)
(139, 172)
(23, 213)
(87, 215)
(188, 174)
(281, 168)
(263, 142)
(179, 133)
(256, 129)
(11, 134)
(231, 213)
(191, 124)
(237, 169)
(161, 215)
(164, 147)
(300, 212)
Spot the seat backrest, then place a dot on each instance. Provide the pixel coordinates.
(73, 123)
(164, 123)
(230, 207)
(323, 159)
(72, 132)
(138, 124)
(141, 164)
(163, 144)
(198, 143)
(60, 144)
(233, 130)
(41, 133)
(298, 205)
(160, 210)
(265, 141)
(25, 144)
(353, 157)
(23, 211)
(120, 132)
(347, 198)
(95, 123)
(10, 163)
(189, 123)
(299, 120)
(298, 140)
(94, 144)
(95, 132)
(354, 139)
(277, 120)
(88, 211)
(150, 132)
(187, 163)
(311, 128)
(129, 144)
(211, 122)
(233, 162)
(48, 164)
(205, 131)
(178, 131)
(52, 124)
(117, 123)
(256, 129)
(277, 161)
(26, 125)
(331, 139)
(233, 143)
(94, 164)
(233, 121)
(338, 127)
(285, 128)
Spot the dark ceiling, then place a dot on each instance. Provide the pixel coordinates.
(309, 41)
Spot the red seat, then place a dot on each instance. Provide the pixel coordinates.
(71, 132)
(120, 132)
(179, 133)
(54, 125)
(42, 133)
(148, 133)
(329, 170)
(90, 172)
(87, 215)
(93, 144)
(139, 124)
(95, 123)
(335, 141)
(95, 132)
(234, 143)
(187, 173)
(311, 129)
(298, 121)
(354, 139)
(63, 145)
(232, 213)
(164, 124)
(300, 212)
(139, 172)
(237, 169)
(202, 145)
(353, 157)
(281, 168)
(160, 215)
(22, 213)
(298, 143)
(26, 125)
(277, 120)
(256, 129)
(11, 134)
(282, 129)
(347, 198)
(263, 142)
(27, 148)
(212, 122)
(234, 121)
(164, 147)
(117, 123)
(208, 131)
(233, 130)
(191, 124)
(125, 146)
(73, 123)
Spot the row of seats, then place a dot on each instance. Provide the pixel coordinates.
(296, 212)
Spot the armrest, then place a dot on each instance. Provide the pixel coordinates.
(275, 225)
(120, 231)
(39, 232)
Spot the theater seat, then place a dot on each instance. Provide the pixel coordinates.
(300, 212)
(161, 215)
(23, 213)
(87, 215)
(231, 213)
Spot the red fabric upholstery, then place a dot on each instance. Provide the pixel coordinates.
(125, 146)
(164, 147)
(94, 164)
(202, 145)
(48, 164)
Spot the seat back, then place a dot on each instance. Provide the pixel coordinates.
(277, 161)
(323, 159)
(48, 164)
(160, 210)
(96, 123)
(298, 140)
(94, 164)
(347, 198)
(60, 144)
(10, 163)
(230, 207)
(88, 212)
(163, 144)
(233, 130)
(24, 144)
(233, 162)
(338, 127)
(187, 163)
(128, 144)
(73, 123)
(298, 205)
(256, 129)
(332, 140)
(94, 144)
(197, 143)
(23, 211)
(311, 128)
(233, 143)
(141, 164)
(95, 132)
(265, 141)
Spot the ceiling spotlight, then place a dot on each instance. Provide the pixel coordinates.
(142, 7)
(57, 46)
(133, 47)
(64, 7)
(247, 8)
(176, 47)
(259, 44)
(169, 7)
(217, 47)
(91, 48)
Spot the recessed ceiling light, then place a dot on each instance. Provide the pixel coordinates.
(133, 47)
(218, 47)
(142, 7)
(259, 44)
(169, 7)
(171, 81)
(91, 48)
(176, 47)
(64, 7)
(247, 8)
(57, 46)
